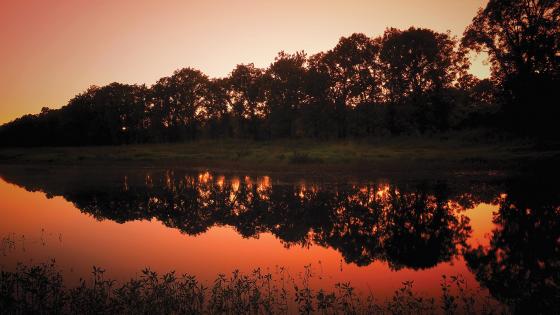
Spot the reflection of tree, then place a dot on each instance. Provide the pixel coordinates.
(522, 264)
(422, 231)
(355, 224)
(408, 227)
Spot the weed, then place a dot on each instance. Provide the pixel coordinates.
(39, 289)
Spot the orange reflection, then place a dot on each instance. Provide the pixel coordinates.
(204, 177)
(481, 222)
(78, 241)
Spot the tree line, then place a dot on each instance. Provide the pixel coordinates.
(412, 81)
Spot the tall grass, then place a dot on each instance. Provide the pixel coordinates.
(40, 289)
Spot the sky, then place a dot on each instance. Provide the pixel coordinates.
(53, 50)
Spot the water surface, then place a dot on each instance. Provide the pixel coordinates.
(502, 235)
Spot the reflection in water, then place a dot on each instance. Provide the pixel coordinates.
(406, 225)
(521, 267)
(413, 228)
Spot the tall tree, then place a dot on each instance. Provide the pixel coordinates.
(420, 65)
(318, 114)
(285, 93)
(216, 113)
(112, 114)
(522, 39)
(178, 101)
(245, 94)
(353, 70)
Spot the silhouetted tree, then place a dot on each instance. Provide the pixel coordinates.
(217, 115)
(177, 103)
(318, 115)
(285, 94)
(406, 81)
(245, 92)
(522, 39)
(354, 79)
(420, 67)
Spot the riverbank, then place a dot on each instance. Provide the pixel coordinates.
(396, 153)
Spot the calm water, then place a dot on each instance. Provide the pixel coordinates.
(502, 235)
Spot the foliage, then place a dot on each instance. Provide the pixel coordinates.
(522, 38)
(39, 289)
(404, 82)
(412, 81)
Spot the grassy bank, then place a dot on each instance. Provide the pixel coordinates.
(428, 152)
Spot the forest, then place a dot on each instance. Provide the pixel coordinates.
(413, 82)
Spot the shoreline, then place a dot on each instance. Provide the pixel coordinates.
(384, 157)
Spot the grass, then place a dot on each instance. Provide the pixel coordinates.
(40, 289)
(288, 154)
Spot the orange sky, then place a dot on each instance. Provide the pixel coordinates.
(52, 50)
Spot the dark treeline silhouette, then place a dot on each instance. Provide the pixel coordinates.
(522, 39)
(410, 81)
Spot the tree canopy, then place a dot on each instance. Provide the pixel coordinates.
(522, 38)
(412, 81)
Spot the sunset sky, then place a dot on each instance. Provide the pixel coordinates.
(52, 50)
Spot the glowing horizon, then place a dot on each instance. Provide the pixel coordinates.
(56, 51)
